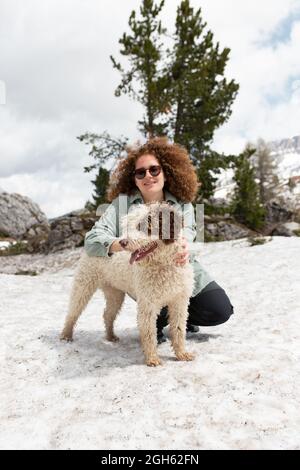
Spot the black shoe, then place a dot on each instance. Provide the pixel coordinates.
(161, 337)
(191, 328)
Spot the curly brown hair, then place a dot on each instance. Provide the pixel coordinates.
(181, 177)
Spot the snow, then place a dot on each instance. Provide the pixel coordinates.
(289, 165)
(241, 392)
(4, 245)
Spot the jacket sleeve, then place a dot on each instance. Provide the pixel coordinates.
(105, 231)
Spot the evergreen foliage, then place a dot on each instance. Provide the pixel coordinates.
(265, 170)
(246, 205)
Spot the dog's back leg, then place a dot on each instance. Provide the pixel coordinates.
(114, 300)
(82, 290)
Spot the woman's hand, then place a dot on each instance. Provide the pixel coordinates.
(183, 257)
(115, 247)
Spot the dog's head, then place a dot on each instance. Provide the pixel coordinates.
(151, 231)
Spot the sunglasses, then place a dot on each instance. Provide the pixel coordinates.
(140, 173)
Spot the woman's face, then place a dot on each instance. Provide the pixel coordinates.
(150, 186)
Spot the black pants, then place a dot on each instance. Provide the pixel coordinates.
(210, 307)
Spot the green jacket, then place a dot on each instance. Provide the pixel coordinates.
(108, 229)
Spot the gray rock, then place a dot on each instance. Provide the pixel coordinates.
(224, 230)
(19, 214)
(276, 212)
(282, 231)
(286, 230)
(68, 231)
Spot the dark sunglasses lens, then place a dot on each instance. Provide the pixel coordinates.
(154, 170)
(140, 174)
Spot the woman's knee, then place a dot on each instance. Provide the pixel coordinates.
(223, 314)
(210, 308)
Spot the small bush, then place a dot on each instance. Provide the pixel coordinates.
(256, 241)
(27, 273)
(211, 238)
(210, 209)
(17, 248)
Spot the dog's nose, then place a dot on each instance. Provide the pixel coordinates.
(123, 243)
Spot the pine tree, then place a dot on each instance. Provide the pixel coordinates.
(200, 93)
(246, 205)
(101, 184)
(201, 96)
(144, 49)
(265, 170)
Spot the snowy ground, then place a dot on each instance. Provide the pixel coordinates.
(241, 392)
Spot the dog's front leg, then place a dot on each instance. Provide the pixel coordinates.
(178, 313)
(146, 320)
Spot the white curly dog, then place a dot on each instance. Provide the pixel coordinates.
(147, 272)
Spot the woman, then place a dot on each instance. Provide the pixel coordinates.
(161, 171)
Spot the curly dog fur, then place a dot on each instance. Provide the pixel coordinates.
(146, 271)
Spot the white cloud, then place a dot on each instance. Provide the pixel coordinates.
(265, 104)
(55, 192)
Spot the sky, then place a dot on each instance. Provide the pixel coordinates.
(57, 82)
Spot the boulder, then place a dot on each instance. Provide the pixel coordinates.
(21, 218)
(224, 230)
(289, 229)
(277, 212)
(68, 231)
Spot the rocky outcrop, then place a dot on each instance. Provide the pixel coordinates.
(289, 229)
(22, 219)
(276, 212)
(220, 228)
(68, 231)
(280, 220)
(279, 216)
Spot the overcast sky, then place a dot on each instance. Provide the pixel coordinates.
(57, 81)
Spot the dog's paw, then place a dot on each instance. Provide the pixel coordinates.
(66, 337)
(153, 362)
(185, 356)
(113, 338)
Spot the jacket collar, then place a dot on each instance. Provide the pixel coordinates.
(136, 197)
